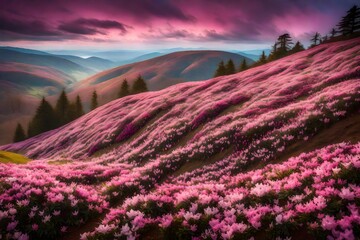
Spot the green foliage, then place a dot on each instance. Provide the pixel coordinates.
(230, 67)
(262, 59)
(44, 119)
(62, 109)
(124, 89)
(350, 23)
(316, 39)
(19, 133)
(79, 110)
(298, 47)
(94, 101)
(221, 70)
(139, 85)
(243, 66)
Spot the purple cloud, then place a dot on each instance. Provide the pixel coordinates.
(91, 26)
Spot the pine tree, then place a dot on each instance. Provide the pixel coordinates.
(333, 32)
(44, 119)
(315, 39)
(124, 89)
(230, 67)
(297, 48)
(221, 70)
(94, 101)
(19, 133)
(139, 85)
(284, 42)
(262, 58)
(243, 65)
(79, 110)
(350, 23)
(274, 52)
(62, 108)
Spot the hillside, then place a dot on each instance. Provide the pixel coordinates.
(21, 87)
(95, 64)
(272, 151)
(159, 72)
(73, 70)
(26, 75)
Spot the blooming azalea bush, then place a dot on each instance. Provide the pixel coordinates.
(34, 204)
(317, 191)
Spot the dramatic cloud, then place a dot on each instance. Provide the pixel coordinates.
(161, 21)
(91, 26)
(25, 27)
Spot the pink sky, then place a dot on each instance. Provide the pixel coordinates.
(147, 24)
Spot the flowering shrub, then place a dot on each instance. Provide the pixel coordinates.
(227, 128)
(315, 190)
(35, 204)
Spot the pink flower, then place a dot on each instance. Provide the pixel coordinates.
(193, 227)
(56, 212)
(166, 221)
(328, 223)
(11, 226)
(12, 211)
(346, 193)
(23, 237)
(260, 189)
(46, 219)
(35, 227)
(105, 228)
(347, 234)
(125, 230)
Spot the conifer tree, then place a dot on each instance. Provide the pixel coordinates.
(221, 70)
(139, 85)
(243, 65)
(79, 110)
(262, 58)
(333, 32)
(124, 89)
(230, 67)
(297, 48)
(62, 108)
(44, 119)
(274, 52)
(19, 133)
(94, 101)
(315, 39)
(350, 23)
(284, 43)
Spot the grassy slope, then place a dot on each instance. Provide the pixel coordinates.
(10, 157)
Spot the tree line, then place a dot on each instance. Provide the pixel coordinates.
(47, 117)
(349, 26)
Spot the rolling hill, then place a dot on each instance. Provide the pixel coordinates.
(73, 70)
(26, 75)
(271, 151)
(159, 72)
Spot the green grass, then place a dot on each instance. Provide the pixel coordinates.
(10, 157)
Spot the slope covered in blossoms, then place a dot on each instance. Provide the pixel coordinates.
(201, 160)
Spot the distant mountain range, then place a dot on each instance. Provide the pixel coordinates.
(159, 72)
(26, 75)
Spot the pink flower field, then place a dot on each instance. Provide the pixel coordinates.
(228, 158)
